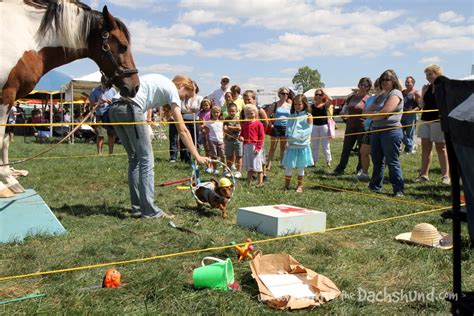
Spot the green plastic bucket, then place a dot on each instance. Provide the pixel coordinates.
(214, 276)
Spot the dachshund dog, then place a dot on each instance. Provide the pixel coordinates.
(217, 194)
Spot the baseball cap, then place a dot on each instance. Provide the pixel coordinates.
(225, 77)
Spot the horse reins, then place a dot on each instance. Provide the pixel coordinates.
(119, 71)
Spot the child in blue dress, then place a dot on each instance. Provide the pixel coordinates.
(298, 131)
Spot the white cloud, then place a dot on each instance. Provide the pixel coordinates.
(447, 45)
(331, 3)
(203, 16)
(166, 69)
(152, 5)
(289, 71)
(303, 17)
(430, 60)
(450, 17)
(433, 29)
(163, 41)
(222, 53)
(211, 32)
(310, 29)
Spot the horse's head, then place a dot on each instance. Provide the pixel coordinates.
(114, 56)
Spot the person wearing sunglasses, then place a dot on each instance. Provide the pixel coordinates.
(352, 110)
(387, 135)
(280, 111)
(320, 109)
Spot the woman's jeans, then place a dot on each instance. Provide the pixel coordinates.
(385, 149)
(137, 142)
(349, 141)
(409, 121)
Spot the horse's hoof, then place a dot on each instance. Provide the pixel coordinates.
(16, 188)
(6, 193)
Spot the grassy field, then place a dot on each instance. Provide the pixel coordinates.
(89, 195)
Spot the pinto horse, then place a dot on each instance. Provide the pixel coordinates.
(39, 35)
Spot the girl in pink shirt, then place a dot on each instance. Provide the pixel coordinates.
(252, 135)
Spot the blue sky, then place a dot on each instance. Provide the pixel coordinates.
(261, 44)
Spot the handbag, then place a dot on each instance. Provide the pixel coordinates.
(331, 128)
(269, 127)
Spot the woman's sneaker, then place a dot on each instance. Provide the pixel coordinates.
(422, 179)
(446, 180)
(237, 175)
(161, 215)
(210, 170)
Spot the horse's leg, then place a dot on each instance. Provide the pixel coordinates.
(11, 181)
(4, 190)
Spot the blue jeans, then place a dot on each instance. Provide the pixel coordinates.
(464, 155)
(385, 148)
(348, 144)
(174, 140)
(136, 141)
(409, 131)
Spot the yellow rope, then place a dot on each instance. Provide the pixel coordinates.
(201, 122)
(188, 252)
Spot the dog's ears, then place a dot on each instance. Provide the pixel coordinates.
(214, 181)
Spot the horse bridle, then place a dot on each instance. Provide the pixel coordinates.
(119, 71)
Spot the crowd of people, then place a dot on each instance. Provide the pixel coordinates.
(230, 127)
(379, 122)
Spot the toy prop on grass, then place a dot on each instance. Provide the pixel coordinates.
(245, 250)
(112, 279)
(215, 193)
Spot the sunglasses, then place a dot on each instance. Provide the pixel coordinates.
(283, 93)
(363, 85)
(319, 94)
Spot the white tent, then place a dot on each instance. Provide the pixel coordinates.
(80, 88)
(335, 92)
(470, 77)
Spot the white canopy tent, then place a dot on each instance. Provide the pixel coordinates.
(80, 89)
(470, 77)
(334, 93)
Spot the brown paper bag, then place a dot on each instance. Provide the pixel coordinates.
(323, 288)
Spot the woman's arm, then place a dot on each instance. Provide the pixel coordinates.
(185, 136)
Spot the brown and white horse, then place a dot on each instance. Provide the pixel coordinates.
(39, 35)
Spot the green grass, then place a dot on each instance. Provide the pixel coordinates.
(89, 195)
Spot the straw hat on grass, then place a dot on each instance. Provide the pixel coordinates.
(425, 234)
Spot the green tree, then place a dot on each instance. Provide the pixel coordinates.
(307, 78)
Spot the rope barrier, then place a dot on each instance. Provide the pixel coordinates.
(195, 251)
(271, 140)
(202, 122)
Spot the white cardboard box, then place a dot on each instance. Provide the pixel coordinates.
(278, 220)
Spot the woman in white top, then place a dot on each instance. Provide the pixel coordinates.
(155, 91)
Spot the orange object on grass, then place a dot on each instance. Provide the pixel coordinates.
(245, 251)
(112, 278)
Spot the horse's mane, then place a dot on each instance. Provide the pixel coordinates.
(72, 20)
